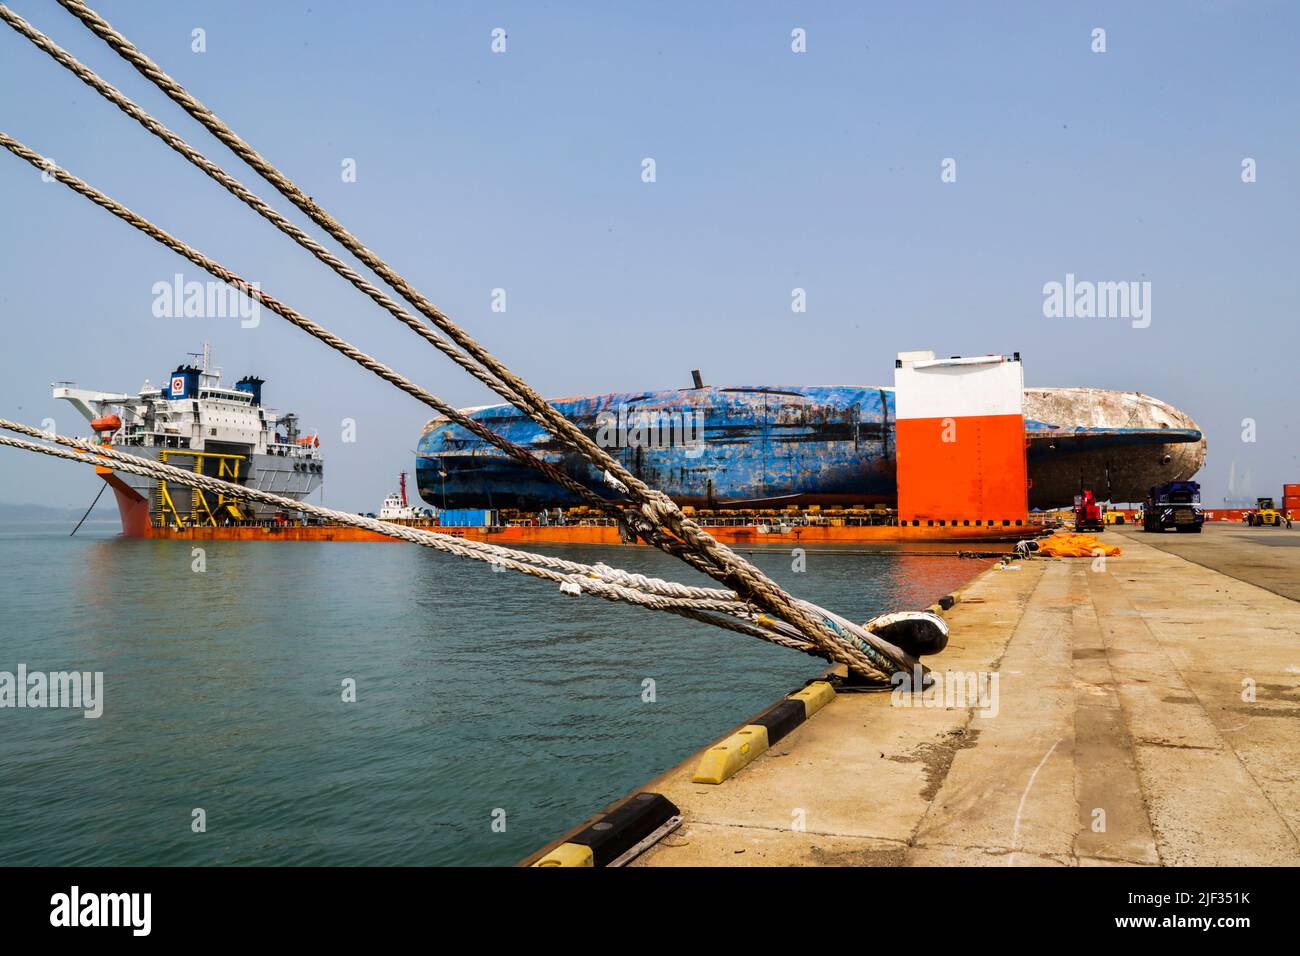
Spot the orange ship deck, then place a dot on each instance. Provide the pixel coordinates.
(608, 534)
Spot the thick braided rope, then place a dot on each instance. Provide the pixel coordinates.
(516, 452)
(855, 652)
(483, 550)
(858, 653)
(240, 191)
(675, 589)
(172, 139)
(86, 453)
(236, 188)
(657, 507)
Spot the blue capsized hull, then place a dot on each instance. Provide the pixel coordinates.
(723, 445)
(760, 446)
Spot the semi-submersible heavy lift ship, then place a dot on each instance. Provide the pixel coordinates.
(195, 423)
(757, 464)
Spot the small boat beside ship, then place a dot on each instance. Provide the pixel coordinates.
(396, 507)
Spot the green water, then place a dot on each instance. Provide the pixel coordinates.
(477, 692)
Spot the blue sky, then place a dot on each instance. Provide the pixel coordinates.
(775, 170)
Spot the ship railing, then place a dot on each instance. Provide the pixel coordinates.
(870, 519)
(775, 519)
(552, 523)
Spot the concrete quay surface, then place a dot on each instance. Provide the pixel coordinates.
(1267, 557)
(1147, 712)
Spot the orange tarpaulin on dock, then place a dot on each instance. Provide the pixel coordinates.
(1068, 545)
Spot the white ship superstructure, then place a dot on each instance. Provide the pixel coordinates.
(195, 423)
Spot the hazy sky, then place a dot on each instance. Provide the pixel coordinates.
(774, 170)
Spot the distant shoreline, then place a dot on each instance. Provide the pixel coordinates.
(30, 514)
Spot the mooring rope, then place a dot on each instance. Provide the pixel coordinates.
(637, 526)
(657, 508)
(237, 189)
(242, 192)
(573, 578)
(571, 573)
(518, 453)
(864, 652)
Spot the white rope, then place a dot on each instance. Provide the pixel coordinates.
(573, 578)
(705, 552)
(841, 640)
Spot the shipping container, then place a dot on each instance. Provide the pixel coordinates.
(467, 518)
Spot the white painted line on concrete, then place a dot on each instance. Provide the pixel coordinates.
(1015, 833)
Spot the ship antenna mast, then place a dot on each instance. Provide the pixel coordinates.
(206, 354)
(402, 481)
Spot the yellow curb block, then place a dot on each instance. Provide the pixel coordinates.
(945, 603)
(568, 854)
(815, 696)
(726, 758)
(731, 755)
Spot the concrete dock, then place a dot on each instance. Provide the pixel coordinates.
(1147, 713)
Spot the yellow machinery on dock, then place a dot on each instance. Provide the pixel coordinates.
(1265, 514)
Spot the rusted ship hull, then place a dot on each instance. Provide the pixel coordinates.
(773, 447)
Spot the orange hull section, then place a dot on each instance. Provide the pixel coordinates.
(131, 507)
(963, 467)
(600, 534)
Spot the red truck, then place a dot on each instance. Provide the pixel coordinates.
(1087, 513)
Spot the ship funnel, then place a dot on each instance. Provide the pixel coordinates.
(253, 385)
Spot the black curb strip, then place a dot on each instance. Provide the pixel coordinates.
(782, 718)
(615, 830)
(626, 823)
(625, 827)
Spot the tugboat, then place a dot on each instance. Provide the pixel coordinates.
(197, 424)
(395, 507)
